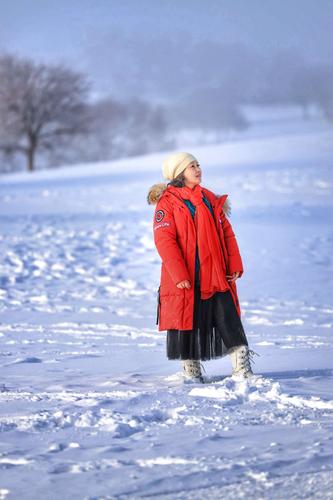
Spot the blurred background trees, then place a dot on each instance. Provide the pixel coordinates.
(50, 114)
(47, 116)
(40, 106)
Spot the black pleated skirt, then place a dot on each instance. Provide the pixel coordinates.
(217, 328)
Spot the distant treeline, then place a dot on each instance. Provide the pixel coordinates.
(48, 116)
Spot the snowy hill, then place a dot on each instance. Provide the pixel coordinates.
(88, 397)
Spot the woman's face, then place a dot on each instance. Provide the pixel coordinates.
(192, 174)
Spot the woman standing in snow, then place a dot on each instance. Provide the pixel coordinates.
(197, 297)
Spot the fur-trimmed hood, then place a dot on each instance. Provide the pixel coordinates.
(156, 191)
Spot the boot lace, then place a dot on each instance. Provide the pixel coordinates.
(247, 359)
(192, 367)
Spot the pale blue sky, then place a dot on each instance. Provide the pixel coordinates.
(95, 35)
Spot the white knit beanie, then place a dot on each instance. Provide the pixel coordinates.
(176, 163)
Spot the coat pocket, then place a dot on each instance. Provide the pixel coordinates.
(172, 310)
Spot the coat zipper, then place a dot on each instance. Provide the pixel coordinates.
(158, 305)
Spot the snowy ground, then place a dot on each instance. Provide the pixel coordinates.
(90, 406)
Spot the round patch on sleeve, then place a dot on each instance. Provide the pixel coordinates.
(159, 215)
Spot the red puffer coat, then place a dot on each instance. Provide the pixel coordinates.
(175, 239)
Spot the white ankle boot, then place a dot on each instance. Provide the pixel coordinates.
(192, 369)
(241, 361)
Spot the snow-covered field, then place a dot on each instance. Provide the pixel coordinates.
(90, 406)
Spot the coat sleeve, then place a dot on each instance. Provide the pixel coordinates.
(235, 260)
(165, 238)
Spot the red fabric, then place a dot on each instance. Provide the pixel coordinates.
(212, 264)
(175, 237)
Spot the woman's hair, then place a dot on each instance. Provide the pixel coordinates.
(178, 181)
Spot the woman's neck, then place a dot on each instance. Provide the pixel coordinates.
(191, 186)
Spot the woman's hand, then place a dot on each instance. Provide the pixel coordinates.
(187, 284)
(234, 276)
(184, 284)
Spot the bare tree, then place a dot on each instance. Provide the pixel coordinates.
(39, 106)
